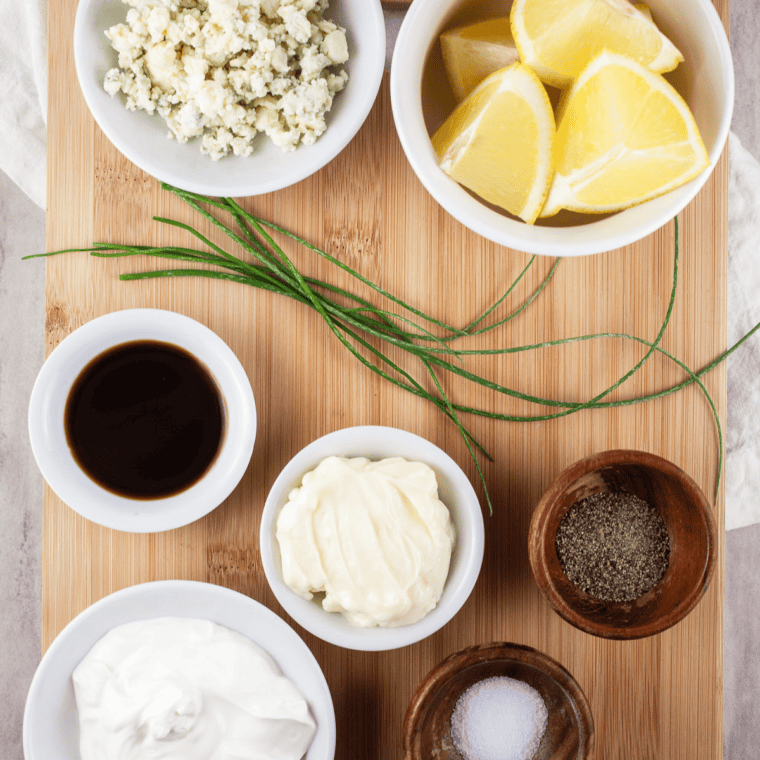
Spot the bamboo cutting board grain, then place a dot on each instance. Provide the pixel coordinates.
(657, 699)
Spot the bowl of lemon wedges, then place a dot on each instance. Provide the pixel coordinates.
(562, 127)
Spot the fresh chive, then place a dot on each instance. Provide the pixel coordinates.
(357, 319)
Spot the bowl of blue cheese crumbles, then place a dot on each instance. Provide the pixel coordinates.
(253, 95)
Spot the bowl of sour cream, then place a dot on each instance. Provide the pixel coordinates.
(372, 538)
(178, 669)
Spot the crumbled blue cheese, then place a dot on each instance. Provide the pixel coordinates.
(226, 70)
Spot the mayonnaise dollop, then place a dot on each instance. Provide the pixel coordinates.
(184, 689)
(374, 536)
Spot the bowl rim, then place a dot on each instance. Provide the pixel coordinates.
(231, 597)
(84, 495)
(365, 99)
(499, 650)
(375, 639)
(544, 509)
(406, 104)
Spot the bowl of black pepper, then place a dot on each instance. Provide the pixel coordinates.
(622, 544)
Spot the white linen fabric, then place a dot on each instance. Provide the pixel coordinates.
(23, 95)
(743, 371)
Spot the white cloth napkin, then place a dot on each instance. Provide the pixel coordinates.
(743, 372)
(23, 95)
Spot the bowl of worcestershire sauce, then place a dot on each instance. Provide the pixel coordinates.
(142, 420)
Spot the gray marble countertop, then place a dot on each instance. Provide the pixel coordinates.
(22, 319)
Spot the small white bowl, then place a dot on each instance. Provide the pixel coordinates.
(142, 138)
(78, 490)
(454, 490)
(51, 725)
(705, 80)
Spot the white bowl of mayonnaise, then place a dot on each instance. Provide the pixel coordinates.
(372, 538)
(181, 710)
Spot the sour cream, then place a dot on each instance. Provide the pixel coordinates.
(184, 689)
(373, 536)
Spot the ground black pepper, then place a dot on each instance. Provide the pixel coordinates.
(613, 546)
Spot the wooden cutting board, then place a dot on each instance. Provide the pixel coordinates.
(660, 698)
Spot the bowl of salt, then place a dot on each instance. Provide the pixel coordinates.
(499, 702)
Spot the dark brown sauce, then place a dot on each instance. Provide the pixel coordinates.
(145, 419)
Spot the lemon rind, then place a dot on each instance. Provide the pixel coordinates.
(525, 48)
(530, 88)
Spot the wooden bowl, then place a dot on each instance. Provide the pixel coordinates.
(691, 528)
(427, 727)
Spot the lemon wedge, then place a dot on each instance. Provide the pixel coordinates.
(559, 38)
(498, 141)
(624, 135)
(472, 52)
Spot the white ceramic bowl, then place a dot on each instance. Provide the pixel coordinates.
(142, 138)
(78, 490)
(454, 490)
(51, 726)
(705, 80)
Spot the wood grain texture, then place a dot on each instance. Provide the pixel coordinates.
(657, 698)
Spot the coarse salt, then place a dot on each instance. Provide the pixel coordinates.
(499, 719)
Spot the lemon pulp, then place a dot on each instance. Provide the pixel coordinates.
(559, 38)
(624, 136)
(498, 142)
(472, 52)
